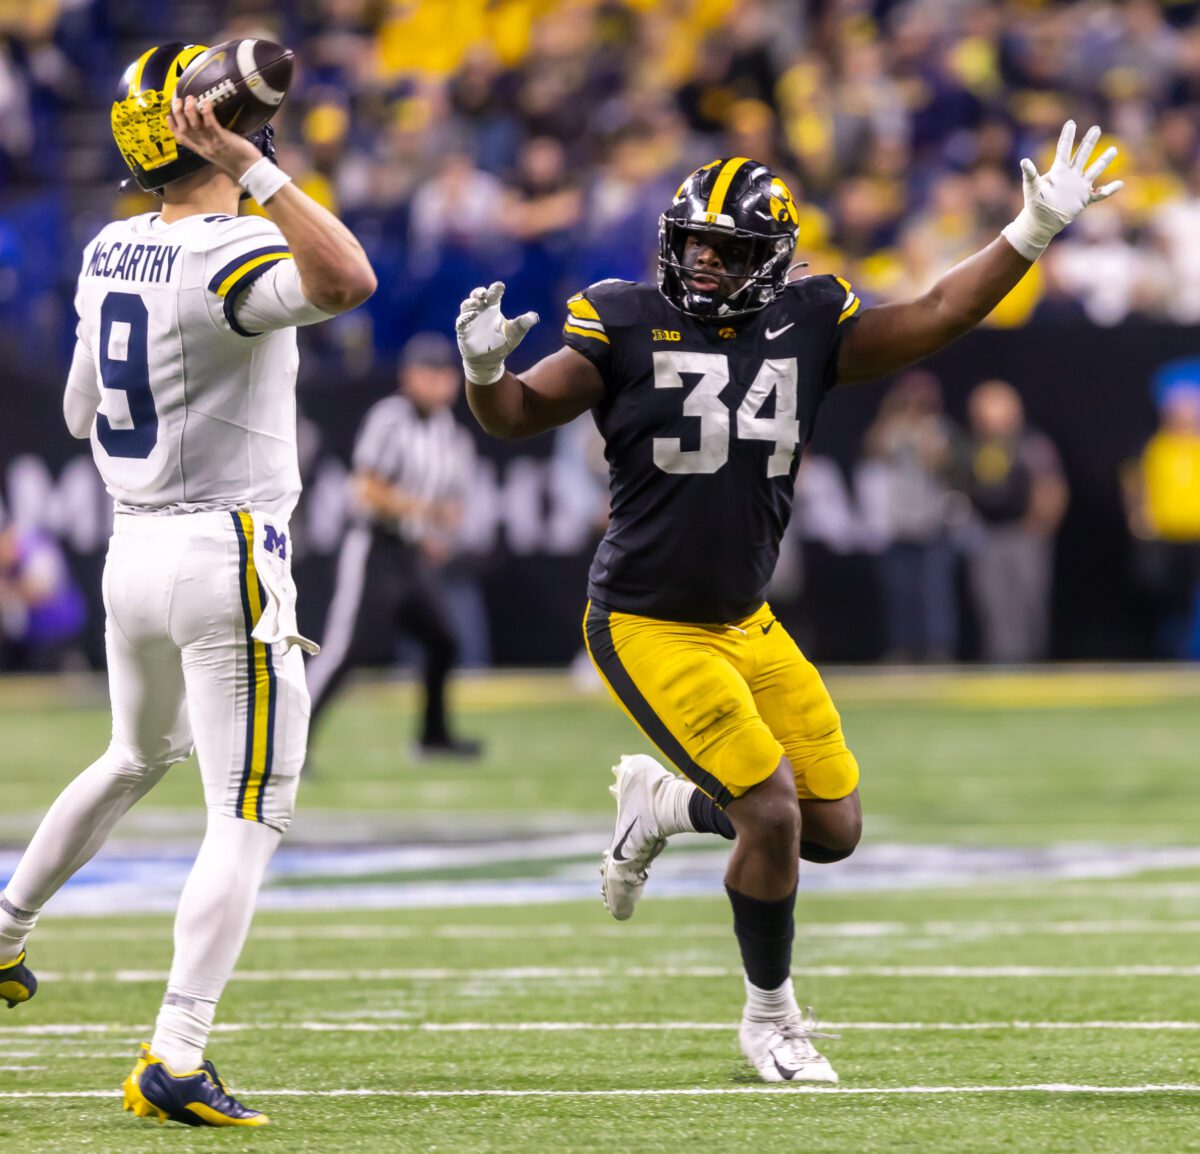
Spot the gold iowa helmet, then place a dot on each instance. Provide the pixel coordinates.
(731, 198)
(139, 116)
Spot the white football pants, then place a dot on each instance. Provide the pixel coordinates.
(182, 595)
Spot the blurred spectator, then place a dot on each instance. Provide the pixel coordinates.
(481, 109)
(562, 74)
(413, 465)
(1177, 231)
(16, 129)
(542, 199)
(42, 611)
(752, 129)
(706, 97)
(1163, 503)
(1101, 269)
(913, 442)
(868, 104)
(1016, 485)
(454, 210)
(625, 199)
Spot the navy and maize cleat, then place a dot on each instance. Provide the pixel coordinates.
(198, 1098)
(17, 983)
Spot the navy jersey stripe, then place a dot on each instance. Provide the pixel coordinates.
(231, 297)
(272, 695)
(237, 262)
(251, 680)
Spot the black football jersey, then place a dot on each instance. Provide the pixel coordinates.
(703, 425)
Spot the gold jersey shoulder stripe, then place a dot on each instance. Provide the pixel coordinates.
(583, 308)
(852, 302)
(232, 280)
(570, 328)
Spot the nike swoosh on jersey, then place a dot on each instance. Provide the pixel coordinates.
(771, 334)
(624, 837)
(767, 628)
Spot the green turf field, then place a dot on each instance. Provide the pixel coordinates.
(1022, 1011)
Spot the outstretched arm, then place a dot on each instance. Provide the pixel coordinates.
(335, 274)
(888, 337)
(551, 393)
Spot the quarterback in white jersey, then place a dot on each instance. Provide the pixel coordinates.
(164, 303)
(183, 378)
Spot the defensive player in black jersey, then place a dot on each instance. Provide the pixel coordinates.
(705, 389)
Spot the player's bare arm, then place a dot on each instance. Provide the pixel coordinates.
(888, 337)
(335, 274)
(551, 393)
(1047, 504)
(380, 496)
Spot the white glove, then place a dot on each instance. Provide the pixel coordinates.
(1054, 200)
(485, 337)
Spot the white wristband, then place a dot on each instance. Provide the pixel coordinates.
(482, 374)
(262, 180)
(1029, 235)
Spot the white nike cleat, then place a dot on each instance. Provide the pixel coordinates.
(781, 1050)
(636, 841)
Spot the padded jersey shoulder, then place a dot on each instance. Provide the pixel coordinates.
(620, 302)
(827, 293)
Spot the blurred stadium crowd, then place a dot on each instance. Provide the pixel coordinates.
(537, 140)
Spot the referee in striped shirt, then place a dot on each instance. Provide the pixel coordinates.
(412, 464)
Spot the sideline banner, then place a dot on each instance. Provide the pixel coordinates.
(538, 505)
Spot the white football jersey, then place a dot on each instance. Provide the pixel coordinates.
(193, 411)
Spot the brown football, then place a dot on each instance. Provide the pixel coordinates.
(246, 81)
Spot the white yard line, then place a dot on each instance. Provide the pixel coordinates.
(607, 1027)
(59, 1055)
(679, 1092)
(836, 930)
(624, 973)
(370, 1027)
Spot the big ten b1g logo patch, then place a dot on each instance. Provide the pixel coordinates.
(665, 335)
(275, 542)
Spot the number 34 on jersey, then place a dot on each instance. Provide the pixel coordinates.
(776, 378)
(696, 389)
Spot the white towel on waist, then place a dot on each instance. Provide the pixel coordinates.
(273, 562)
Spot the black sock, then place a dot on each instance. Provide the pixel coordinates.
(707, 818)
(764, 932)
